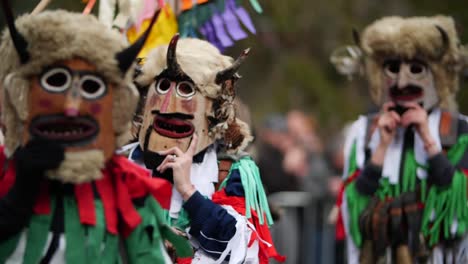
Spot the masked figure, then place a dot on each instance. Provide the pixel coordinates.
(405, 194)
(191, 137)
(68, 102)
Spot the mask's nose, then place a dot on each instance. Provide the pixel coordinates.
(73, 100)
(403, 79)
(168, 99)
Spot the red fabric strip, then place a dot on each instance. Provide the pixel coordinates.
(131, 218)
(340, 233)
(7, 179)
(160, 189)
(42, 206)
(184, 260)
(85, 199)
(140, 182)
(238, 203)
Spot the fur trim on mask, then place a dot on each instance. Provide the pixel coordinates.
(79, 167)
(202, 61)
(409, 38)
(198, 59)
(55, 36)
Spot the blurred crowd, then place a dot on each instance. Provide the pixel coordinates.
(302, 177)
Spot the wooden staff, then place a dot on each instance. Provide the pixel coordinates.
(41, 6)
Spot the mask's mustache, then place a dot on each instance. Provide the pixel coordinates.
(407, 90)
(173, 115)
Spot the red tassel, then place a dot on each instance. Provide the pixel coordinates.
(85, 199)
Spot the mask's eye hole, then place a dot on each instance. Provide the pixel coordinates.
(185, 89)
(163, 86)
(392, 67)
(417, 69)
(92, 87)
(56, 80)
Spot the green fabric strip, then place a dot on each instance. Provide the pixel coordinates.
(256, 6)
(255, 197)
(36, 238)
(182, 221)
(74, 232)
(143, 244)
(181, 244)
(95, 235)
(8, 246)
(38, 231)
(445, 205)
(457, 151)
(110, 253)
(352, 161)
(356, 204)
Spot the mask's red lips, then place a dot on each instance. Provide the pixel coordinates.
(172, 127)
(68, 131)
(409, 93)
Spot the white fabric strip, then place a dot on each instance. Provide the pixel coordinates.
(357, 133)
(393, 155)
(419, 151)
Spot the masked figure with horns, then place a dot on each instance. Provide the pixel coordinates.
(405, 194)
(65, 197)
(191, 137)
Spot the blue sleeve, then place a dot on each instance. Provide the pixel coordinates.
(234, 184)
(211, 224)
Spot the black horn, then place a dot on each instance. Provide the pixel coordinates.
(356, 37)
(445, 41)
(127, 56)
(19, 41)
(171, 58)
(230, 72)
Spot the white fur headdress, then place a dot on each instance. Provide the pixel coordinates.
(53, 36)
(431, 39)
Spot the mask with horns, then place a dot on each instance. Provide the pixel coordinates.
(67, 78)
(407, 59)
(191, 90)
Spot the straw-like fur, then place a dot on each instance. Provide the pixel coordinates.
(54, 36)
(409, 38)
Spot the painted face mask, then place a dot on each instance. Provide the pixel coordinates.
(60, 88)
(409, 81)
(70, 103)
(175, 109)
(190, 94)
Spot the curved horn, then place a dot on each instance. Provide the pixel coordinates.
(356, 37)
(230, 72)
(445, 41)
(127, 56)
(19, 41)
(171, 58)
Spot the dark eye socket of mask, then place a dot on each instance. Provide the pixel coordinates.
(163, 85)
(417, 68)
(90, 86)
(57, 79)
(185, 89)
(393, 66)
